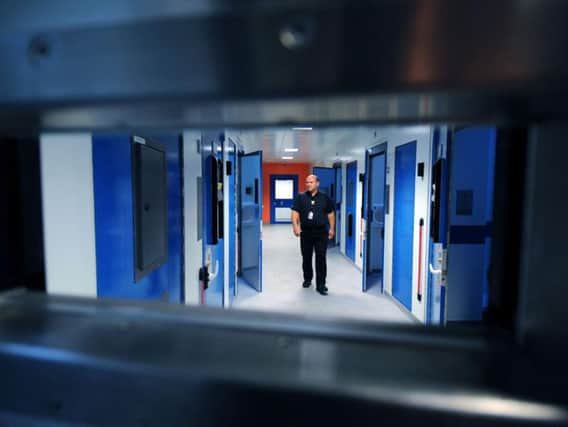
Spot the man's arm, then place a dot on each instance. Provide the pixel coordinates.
(331, 218)
(296, 222)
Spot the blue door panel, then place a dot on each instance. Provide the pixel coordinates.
(250, 218)
(112, 179)
(403, 229)
(327, 180)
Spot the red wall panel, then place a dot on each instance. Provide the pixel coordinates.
(300, 169)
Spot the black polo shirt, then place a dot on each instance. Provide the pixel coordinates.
(320, 204)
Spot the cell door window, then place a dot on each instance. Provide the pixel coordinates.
(284, 189)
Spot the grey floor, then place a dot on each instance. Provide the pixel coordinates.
(283, 292)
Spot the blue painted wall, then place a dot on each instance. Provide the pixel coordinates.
(112, 170)
(403, 229)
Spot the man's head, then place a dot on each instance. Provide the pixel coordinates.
(312, 183)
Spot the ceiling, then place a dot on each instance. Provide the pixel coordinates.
(318, 147)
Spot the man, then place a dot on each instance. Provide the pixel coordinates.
(313, 219)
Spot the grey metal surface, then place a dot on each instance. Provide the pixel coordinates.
(127, 64)
(130, 64)
(543, 306)
(84, 361)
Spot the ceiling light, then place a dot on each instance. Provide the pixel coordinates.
(287, 158)
(302, 128)
(291, 150)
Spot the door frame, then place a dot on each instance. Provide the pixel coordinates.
(230, 149)
(337, 167)
(369, 153)
(441, 149)
(354, 231)
(272, 179)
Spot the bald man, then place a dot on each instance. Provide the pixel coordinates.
(313, 220)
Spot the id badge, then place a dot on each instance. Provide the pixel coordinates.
(310, 215)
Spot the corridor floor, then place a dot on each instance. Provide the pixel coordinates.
(283, 291)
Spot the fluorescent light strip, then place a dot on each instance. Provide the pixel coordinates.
(291, 150)
(287, 157)
(302, 128)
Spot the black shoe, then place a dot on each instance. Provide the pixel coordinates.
(307, 284)
(322, 291)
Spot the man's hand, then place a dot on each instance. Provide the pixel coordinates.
(295, 218)
(331, 219)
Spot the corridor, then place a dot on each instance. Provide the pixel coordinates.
(283, 292)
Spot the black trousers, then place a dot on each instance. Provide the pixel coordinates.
(310, 240)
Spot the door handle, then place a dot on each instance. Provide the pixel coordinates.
(435, 271)
(256, 191)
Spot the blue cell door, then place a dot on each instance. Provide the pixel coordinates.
(472, 168)
(374, 214)
(350, 210)
(327, 180)
(283, 190)
(114, 220)
(327, 185)
(250, 218)
(403, 229)
(338, 197)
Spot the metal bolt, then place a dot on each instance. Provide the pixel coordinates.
(39, 49)
(297, 34)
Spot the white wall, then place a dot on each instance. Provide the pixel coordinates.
(358, 206)
(68, 214)
(193, 245)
